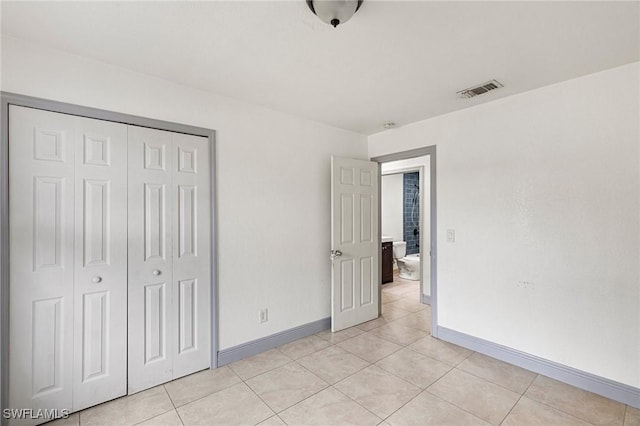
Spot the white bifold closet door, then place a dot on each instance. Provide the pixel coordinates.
(109, 259)
(68, 267)
(169, 252)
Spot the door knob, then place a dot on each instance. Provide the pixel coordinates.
(156, 272)
(97, 279)
(335, 253)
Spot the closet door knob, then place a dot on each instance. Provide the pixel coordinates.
(156, 272)
(97, 279)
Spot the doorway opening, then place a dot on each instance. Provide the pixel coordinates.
(408, 224)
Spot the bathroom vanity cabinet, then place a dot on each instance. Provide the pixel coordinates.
(387, 262)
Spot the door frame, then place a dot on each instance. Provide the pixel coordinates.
(7, 99)
(406, 155)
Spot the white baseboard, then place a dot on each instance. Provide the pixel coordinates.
(263, 344)
(581, 379)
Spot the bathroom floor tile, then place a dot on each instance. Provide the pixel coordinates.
(339, 336)
(201, 384)
(285, 386)
(429, 410)
(380, 392)
(237, 405)
(333, 364)
(477, 396)
(509, 376)
(576, 402)
(442, 351)
(398, 333)
(128, 410)
(258, 364)
(369, 347)
(413, 367)
(328, 407)
(530, 413)
(303, 347)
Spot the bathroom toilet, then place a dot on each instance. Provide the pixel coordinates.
(409, 266)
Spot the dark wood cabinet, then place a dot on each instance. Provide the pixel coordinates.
(387, 262)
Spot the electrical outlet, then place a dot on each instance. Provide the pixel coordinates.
(264, 315)
(451, 235)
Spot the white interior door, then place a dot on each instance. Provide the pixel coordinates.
(191, 254)
(41, 217)
(100, 281)
(151, 307)
(354, 242)
(68, 243)
(169, 256)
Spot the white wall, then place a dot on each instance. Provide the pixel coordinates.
(391, 200)
(272, 182)
(424, 166)
(542, 187)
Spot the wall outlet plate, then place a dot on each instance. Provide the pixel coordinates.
(264, 315)
(451, 235)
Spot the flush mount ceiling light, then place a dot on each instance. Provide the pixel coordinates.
(334, 12)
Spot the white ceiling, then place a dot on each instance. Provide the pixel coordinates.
(393, 61)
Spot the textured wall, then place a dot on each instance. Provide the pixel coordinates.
(541, 189)
(272, 182)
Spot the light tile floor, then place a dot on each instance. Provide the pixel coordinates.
(389, 371)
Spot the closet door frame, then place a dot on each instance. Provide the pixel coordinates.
(7, 99)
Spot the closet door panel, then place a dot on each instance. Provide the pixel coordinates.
(100, 367)
(151, 286)
(191, 254)
(41, 217)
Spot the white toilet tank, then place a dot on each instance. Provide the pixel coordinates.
(399, 249)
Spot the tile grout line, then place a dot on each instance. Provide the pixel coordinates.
(417, 395)
(212, 393)
(491, 381)
(422, 389)
(557, 408)
(454, 405)
(169, 395)
(244, 381)
(435, 359)
(516, 403)
(275, 413)
(402, 346)
(260, 398)
(451, 402)
(359, 405)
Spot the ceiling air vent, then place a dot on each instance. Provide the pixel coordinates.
(480, 89)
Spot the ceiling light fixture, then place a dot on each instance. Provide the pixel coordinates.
(334, 12)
